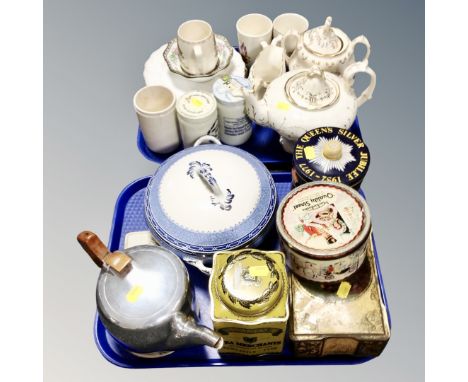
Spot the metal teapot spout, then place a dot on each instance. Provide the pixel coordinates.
(185, 332)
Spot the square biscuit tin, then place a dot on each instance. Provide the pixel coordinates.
(344, 318)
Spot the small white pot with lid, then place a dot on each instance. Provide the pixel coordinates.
(328, 47)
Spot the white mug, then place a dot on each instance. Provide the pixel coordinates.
(197, 47)
(290, 26)
(197, 116)
(155, 108)
(252, 29)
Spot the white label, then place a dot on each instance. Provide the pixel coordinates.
(236, 126)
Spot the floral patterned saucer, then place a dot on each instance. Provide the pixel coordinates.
(225, 51)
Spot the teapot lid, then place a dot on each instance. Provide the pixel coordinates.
(250, 282)
(323, 40)
(153, 288)
(312, 90)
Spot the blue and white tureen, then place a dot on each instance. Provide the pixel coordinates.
(210, 198)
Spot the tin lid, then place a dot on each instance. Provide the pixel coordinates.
(228, 89)
(153, 288)
(333, 154)
(323, 219)
(196, 105)
(210, 198)
(250, 283)
(312, 90)
(324, 40)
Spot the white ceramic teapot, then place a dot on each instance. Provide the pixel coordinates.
(328, 47)
(304, 99)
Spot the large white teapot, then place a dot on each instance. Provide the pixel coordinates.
(328, 47)
(304, 99)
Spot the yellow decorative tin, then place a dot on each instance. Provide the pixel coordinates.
(249, 300)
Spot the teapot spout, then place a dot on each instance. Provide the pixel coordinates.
(255, 106)
(186, 333)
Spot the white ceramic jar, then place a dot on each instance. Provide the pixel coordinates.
(197, 115)
(234, 126)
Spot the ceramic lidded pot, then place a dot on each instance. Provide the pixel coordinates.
(234, 126)
(249, 300)
(143, 299)
(197, 115)
(328, 47)
(330, 154)
(302, 100)
(324, 230)
(210, 198)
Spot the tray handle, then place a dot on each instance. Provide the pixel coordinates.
(100, 254)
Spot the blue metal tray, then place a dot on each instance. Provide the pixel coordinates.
(264, 144)
(129, 216)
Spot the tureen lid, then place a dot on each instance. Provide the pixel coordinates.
(153, 288)
(324, 219)
(210, 198)
(228, 89)
(250, 282)
(312, 89)
(196, 105)
(324, 40)
(333, 154)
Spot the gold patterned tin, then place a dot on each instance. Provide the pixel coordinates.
(347, 318)
(249, 300)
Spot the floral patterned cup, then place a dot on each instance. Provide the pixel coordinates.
(252, 29)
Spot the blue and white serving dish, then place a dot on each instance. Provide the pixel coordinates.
(210, 198)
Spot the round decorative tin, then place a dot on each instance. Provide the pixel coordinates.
(250, 283)
(324, 229)
(330, 154)
(210, 198)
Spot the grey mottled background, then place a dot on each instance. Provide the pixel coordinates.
(94, 53)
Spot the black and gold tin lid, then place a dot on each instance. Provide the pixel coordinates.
(250, 282)
(331, 154)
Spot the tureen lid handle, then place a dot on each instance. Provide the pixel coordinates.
(328, 22)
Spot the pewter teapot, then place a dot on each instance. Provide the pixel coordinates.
(304, 99)
(325, 46)
(144, 300)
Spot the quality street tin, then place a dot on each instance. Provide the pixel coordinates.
(347, 318)
(249, 300)
(330, 154)
(324, 229)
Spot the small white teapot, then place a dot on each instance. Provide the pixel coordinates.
(304, 99)
(328, 47)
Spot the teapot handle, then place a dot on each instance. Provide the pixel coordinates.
(288, 35)
(364, 41)
(360, 67)
(100, 254)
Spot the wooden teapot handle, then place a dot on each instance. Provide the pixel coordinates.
(100, 254)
